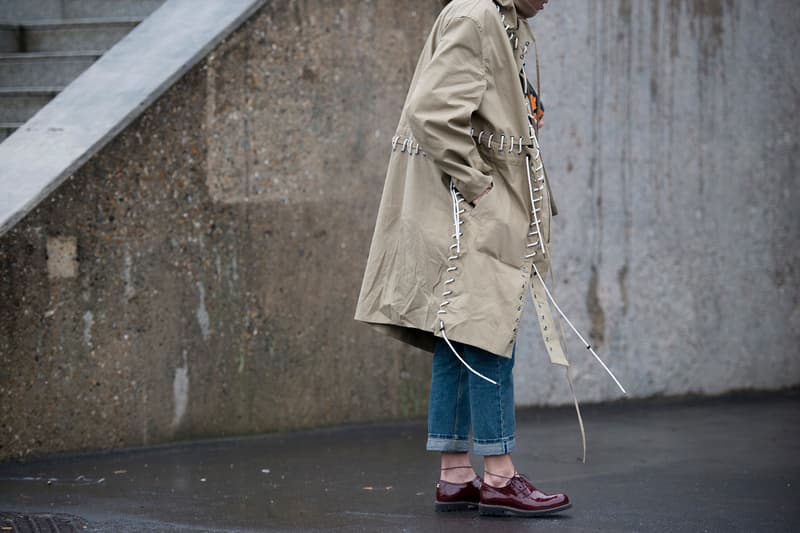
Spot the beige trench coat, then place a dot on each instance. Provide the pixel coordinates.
(437, 265)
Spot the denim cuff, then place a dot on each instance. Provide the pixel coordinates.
(446, 444)
(494, 447)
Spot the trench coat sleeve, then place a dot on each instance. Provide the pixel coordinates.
(448, 90)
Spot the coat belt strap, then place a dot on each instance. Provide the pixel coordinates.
(554, 343)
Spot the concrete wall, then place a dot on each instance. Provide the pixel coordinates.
(198, 276)
(672, 142)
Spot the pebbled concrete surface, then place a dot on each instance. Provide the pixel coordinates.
(721, 465)
(218, 250)
(107, 96)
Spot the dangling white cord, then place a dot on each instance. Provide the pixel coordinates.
(588, 346)
(444, 336)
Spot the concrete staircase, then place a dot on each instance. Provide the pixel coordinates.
(45, 44)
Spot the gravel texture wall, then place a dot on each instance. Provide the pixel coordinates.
(198, 276)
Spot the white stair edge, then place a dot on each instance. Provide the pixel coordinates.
(69, 23)
(30, 89)
(86, 115)
(51, 55)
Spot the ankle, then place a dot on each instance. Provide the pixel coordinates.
(498, 470)
(457, 474)
(496, 479)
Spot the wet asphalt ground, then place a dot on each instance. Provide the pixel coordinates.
(714, 465)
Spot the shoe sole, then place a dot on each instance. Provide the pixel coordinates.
(500, 510)
(447, 507)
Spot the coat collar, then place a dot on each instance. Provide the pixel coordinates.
(513, 24)
(509, 10)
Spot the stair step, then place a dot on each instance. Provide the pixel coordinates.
(75, 34)
(7, 128)
(18, 104)
(9, 38)
(34, 69)
(55, 9)
(109, 8)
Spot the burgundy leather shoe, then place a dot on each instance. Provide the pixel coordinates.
(520, 498)
(458, 496)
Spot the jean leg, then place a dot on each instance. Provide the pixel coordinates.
(492, 406)
(449, 405)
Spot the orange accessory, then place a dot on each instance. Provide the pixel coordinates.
(536, 107)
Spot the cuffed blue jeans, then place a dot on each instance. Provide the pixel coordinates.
(460, 399)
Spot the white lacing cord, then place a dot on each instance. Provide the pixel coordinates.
(408, 146)
(492, 145)
(444, 336)
(457, 211)
(534, 211)
(512, 32)
(588, 346)
(540, 243)
(457, 198)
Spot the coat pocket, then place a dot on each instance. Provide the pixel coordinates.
(496, 226)
(482, 204)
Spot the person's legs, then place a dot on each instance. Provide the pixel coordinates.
(503, 491)
(449, 415)
(492, 411)
(491, 406)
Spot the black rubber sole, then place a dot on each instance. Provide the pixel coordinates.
(447, 507)
(500, 510)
